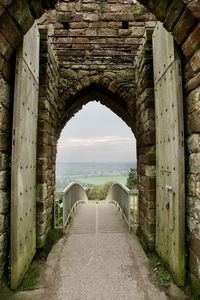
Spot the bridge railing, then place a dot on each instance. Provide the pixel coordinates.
(65, 203)
(121, 196)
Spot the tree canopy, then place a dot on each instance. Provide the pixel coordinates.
(132, 179)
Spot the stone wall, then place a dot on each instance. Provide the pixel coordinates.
(145, 135)
(192, 132)
(179, 17)
(5, 153)
(113, 72)
(46, 148)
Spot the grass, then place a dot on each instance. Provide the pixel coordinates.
(161, 273)
(32, 274)
(53, 236)
(31, 278)
(102, 179)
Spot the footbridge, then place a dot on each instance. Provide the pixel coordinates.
(98, 258)
(74, 195)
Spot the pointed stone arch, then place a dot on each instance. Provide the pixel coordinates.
(179, 17)
(99, 88)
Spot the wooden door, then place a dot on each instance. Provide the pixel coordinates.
(23, 177)
(170, 178)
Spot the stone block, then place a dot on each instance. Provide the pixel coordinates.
(4, 142)
(194, 244)
(41, 177)
(194, 122)
(146, 139)
(107, 17)
(36, 8)
(193, 83)
(79, 25)
(20, 11)
(6, 3)
(5, 123)
(147, 159)
(150, 171)
(3, 241)
(195, 62)
(4, 179)
(148, 182)
(193, 207)
(160, 9)
(4, 161)
(5, 48)
(194, 163)
(4, 202)
(173, 13)
(193, 101)
(193, 143)
(194, 8)
(4, 223)
(90, 17)
(10, 31)
(41, 192)
(184, 26)
(89, 7)
(5, 97)
(192, 43)
(193, 185)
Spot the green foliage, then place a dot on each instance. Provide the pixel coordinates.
(30, 278)
(53, 236)
(161, 273)
(195, 294)
(132, 179)
(98, 180)
(138, 9)
(98, 192)
(58, 212)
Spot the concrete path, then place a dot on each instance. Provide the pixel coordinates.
(97, 260)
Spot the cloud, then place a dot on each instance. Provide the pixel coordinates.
(96, 134)
(93, 142)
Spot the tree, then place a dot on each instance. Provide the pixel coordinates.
(98, 192)
(103, 191)
(132, 179)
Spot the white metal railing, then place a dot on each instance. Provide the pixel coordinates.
(121, 196)
(66, 201)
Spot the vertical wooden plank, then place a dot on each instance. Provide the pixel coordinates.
(170, 227)
(24, 143)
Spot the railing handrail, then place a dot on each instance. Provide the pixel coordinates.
(122, 201)
(122, 186)
(70, 201)
(69, 187)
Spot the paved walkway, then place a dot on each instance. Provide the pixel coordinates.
(97, 260)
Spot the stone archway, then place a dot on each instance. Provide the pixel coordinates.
(182, 19)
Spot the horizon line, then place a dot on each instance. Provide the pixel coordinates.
(127, 161)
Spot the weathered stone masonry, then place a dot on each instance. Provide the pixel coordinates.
(46, 148)
(145, 135)
(182, 18)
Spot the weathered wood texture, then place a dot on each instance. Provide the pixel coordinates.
(23, 178)
(170, 202)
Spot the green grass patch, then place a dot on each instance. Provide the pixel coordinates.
(102, 179)
(31, 278)
(53, 236)
(161, 273)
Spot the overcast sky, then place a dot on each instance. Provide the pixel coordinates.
(96, 134)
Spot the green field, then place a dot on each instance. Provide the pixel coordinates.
(103, 179)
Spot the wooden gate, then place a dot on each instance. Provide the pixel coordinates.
(23, 177)
(170, 190)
